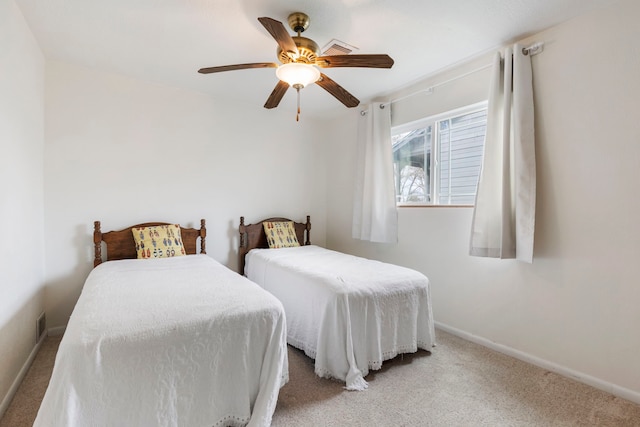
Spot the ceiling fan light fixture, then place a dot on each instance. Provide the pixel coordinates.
(295, 73)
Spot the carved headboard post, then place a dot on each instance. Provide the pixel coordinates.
(97, 244)
(243, 232)
(242, 251)
(203, 236)
(308, 228)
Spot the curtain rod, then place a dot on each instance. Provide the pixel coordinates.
(533, 49)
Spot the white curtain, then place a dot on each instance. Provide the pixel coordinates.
(375, 216)
(504, 215)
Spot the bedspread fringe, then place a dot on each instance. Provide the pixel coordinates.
(357, 384)
(355, 380)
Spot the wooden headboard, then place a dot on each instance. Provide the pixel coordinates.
(252, 236)
(120, 244)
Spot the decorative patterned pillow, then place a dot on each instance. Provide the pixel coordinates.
(161, 241)
(280, 234)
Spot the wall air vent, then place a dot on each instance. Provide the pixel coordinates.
(41, 326)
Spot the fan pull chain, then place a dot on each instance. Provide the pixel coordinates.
(298, 114)
(298, 90)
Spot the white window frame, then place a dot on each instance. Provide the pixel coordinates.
(435, 150)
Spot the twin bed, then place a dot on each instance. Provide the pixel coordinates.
(348, 313)
(186, 341)
(180, 341)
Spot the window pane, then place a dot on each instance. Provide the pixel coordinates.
(412, 165)
(449, 174)
(460, 144)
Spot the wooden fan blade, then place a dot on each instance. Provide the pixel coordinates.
(277, 94)
(280, 33)
(237, 67)
(366, 61)
(338, 91)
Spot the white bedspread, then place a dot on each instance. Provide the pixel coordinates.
(348, 313)
(168, 342)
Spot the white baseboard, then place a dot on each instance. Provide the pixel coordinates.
(23, 371)
(616, 390)
(58, 330)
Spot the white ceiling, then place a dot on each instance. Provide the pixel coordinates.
(167, 41)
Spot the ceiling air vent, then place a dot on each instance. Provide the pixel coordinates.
(336, 47)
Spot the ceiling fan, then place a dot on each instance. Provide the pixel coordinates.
(300, 58)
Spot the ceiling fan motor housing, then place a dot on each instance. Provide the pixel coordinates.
(308, 51)
(298, 21)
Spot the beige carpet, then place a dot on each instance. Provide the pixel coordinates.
(458, 384)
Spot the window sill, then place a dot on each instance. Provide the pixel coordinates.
(435, 206)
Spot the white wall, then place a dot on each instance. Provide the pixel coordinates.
(124, 151)
(21, 194)
(576, 307)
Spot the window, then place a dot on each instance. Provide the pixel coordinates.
(437, 160)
